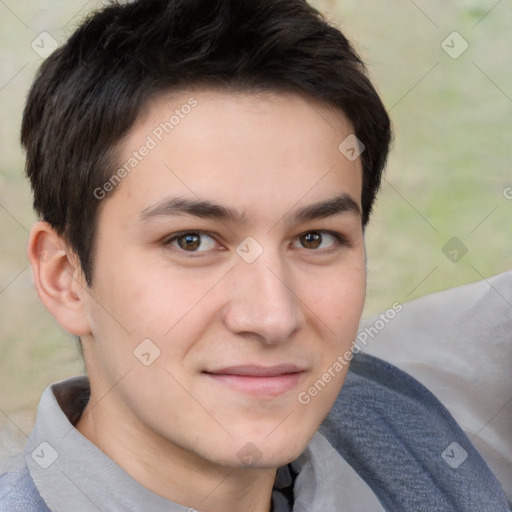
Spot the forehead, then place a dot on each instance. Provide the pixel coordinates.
(255, 152)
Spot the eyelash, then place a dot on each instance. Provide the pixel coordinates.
(340, 240)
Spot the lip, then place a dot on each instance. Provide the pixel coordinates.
(258, 380)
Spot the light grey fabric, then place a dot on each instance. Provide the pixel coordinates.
(458, 343)
(322, 468)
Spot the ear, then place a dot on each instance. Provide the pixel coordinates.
(58, 278)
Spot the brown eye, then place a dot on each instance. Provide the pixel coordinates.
(189, 242)
(192, 241)
(319, 240)
(311, 240)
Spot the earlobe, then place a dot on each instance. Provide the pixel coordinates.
(57, 278)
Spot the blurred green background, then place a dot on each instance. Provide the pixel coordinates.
(450, 165)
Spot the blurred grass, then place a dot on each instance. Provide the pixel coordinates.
(450, 163)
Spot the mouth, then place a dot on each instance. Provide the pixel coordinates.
(256, 380)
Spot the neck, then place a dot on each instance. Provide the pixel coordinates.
(171, 471)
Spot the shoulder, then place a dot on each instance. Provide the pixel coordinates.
(405, 444)
(18, 493)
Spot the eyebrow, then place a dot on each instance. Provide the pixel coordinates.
(328, 208)
(196, 207)
(207, 209)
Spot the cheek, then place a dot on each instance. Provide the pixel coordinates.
(147, 297)
(346, 306)
(336, 296)
(170, 308)
(335, 313)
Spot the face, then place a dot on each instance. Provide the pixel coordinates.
(229, 275)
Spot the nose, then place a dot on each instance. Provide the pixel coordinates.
(263, 303)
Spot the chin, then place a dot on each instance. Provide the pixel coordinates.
(265, 452)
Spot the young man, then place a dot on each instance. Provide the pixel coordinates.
(204, 173)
